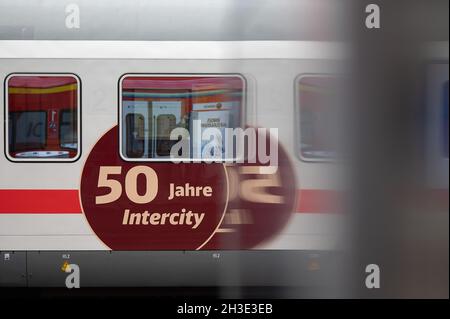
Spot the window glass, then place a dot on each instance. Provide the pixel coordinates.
(135, 126)
(68, 129)
(42, 117)
(317, 98)
(152, 107)
(445, 117)
(27, 130)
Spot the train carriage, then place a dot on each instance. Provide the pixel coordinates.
(87, 174)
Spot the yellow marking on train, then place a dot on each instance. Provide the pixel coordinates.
(56, 89)
(65, 267)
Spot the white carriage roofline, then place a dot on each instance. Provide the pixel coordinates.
(28, 49)
(216, 50)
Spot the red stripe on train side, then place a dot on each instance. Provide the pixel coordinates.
(39, 201)
(318, 201)
(57, 201)
(30, 201)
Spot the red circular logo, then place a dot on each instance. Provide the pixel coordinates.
(185, 206)
(151, 206)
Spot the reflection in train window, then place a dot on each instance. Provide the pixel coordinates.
(43, 117)
(153, 106)
(68, 129)
(135, 135)
(27, 130)
(316, 100)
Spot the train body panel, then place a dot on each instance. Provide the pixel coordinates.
(270, 102)
(271, 70)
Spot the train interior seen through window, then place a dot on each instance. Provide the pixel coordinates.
(43, 117)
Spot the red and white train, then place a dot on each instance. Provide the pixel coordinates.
(61, 98)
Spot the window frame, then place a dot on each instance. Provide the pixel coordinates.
(242, 112)
(6, 116)
(297, 112)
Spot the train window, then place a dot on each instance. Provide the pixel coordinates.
(316, 100)
(43, 117)
(153, 106)
(445, 118)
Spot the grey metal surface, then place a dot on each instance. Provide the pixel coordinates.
(174, 268)
(13, 269)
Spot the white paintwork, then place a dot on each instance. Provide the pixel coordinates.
(270, 68)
